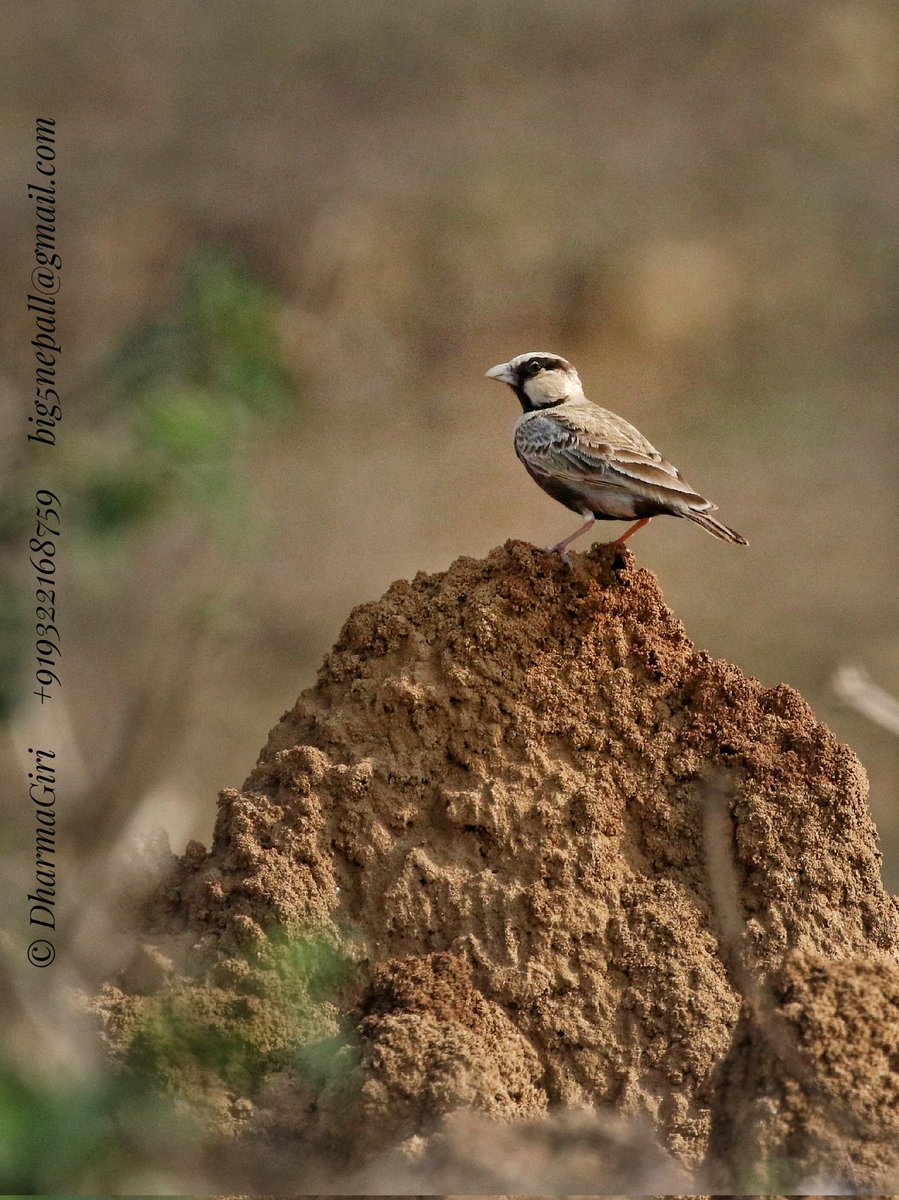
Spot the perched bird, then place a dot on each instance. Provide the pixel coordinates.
(589, 459)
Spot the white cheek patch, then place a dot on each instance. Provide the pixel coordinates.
(547, 387)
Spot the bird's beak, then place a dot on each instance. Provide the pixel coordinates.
(502, 372)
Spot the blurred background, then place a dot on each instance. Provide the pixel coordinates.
(295, 235)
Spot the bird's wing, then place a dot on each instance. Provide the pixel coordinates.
(580, 448)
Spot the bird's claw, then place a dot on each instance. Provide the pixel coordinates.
(561, 551)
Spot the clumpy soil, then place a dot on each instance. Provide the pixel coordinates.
(493, 800)
(807, 1097)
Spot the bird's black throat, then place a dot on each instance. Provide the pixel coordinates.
(528, 405)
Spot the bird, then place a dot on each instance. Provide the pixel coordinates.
(591, 460)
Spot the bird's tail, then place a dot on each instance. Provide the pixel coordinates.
(716, 528)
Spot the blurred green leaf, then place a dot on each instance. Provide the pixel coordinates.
(113, 503)
(13, 643)
(196, 1038)
(312, 963)
(230, 321)
(187, 388)
(54, 1137)
(185, 424)
(153, 351)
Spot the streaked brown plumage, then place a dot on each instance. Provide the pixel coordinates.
(591, 460)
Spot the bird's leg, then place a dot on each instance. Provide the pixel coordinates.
(629, 532)
(561, 547)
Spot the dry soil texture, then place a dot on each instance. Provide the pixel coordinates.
(496, 790)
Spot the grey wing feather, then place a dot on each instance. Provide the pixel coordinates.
(598, 447)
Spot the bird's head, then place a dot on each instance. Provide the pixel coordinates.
(539, 380)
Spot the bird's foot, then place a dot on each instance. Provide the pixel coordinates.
(561, 550)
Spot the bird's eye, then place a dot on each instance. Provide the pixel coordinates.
(535, 366)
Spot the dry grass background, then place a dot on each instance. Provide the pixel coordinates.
(694, 202)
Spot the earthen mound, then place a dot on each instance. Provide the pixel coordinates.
(495, 793)
(807, 1098)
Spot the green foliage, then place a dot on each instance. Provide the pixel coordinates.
(193, 1042)
(198, 1039)
(183, 393)
(195, 1039)
(313, 965)
(184, 425)
(229, 321)
(14, 634)
(57, 1137)
(113, 502)
(180, 398)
